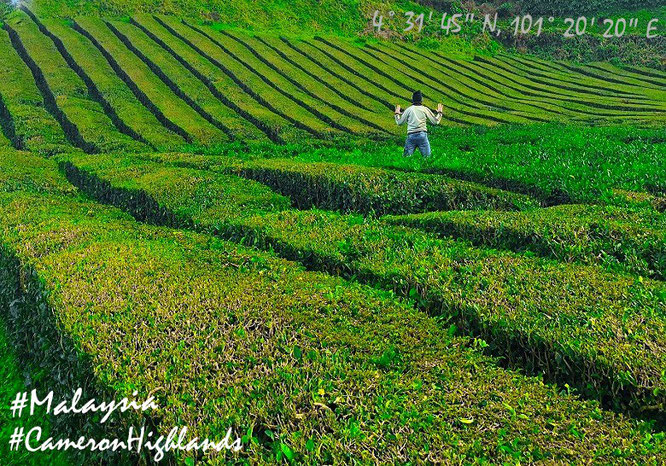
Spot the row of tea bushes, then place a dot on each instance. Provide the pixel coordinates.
(576, 324)
(619, 238)
(354, 188)
(303, 366)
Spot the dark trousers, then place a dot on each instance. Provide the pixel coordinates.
(417, 140)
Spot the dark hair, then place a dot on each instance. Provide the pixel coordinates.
(417, 98)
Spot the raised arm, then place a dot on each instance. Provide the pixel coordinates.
(435, 119)
(400, 118)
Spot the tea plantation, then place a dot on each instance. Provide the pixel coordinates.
(223, 219)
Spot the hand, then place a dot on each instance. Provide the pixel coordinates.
(440, 108)
(397, 109)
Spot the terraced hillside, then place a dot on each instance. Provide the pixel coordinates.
(224, 220)
(158, 83)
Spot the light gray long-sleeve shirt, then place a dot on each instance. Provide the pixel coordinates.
(416, 117)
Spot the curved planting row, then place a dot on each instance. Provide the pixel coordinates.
(352, 188)
(276, 89)
(554, 103)
(166, 82)
(93, 90)
(32, 126)
(576, 324)
(340, 70)
(192, 125)
(470, 85)
(352, 113)
(72, 102)
(298, 363)
(113, 89)
(212, 54)
(592, 107)
(639, 78)
(184, 84)
(631, 88)
(187, 85)
(403, 86)
(619, 238)
(511, 112)
(332, 83)
(433, 90)
(22, 171)
(246, 126)
(70, 131)
(557, 164)
(623, 95)
(562, 79)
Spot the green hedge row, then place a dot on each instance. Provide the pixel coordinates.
(49, 359)
(22, 171)
(480, 104)
(82, 117)
(93, 89)
(576, 324)
(557, 164)
(190, 86)
(305, 367)
(13, 372)
(337, 109)
(573, 86)
(317, 71)
(351, 76)
(247, 94)
(355, 188)
(352, 188)
(246, 127)
(155, 94)
(262, 89)
(183, 84)
(388, 70)
(623, 239)
(120, 97)
(561, 94)
(469, 86)
(33, 127)
(625, 96)
(287, 93)
(389, 84)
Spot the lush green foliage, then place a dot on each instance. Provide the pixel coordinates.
(120, 99)
(304, 366)
(26, 172)
(157, 82)
(352, 188)
(563, 7)
(377, 343)
(81, 115)
(27, 122)
(179, 116)
(586, 335)
(555, 163)
(13, 376)
(621, 239)
(279, 15)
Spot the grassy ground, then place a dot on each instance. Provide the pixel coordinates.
(555, 163)
(305, 366)
(15, 378)
(252, 280)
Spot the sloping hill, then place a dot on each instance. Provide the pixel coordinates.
(159, 82)
(283, 15)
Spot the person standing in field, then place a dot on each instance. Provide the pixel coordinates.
(417, 116)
